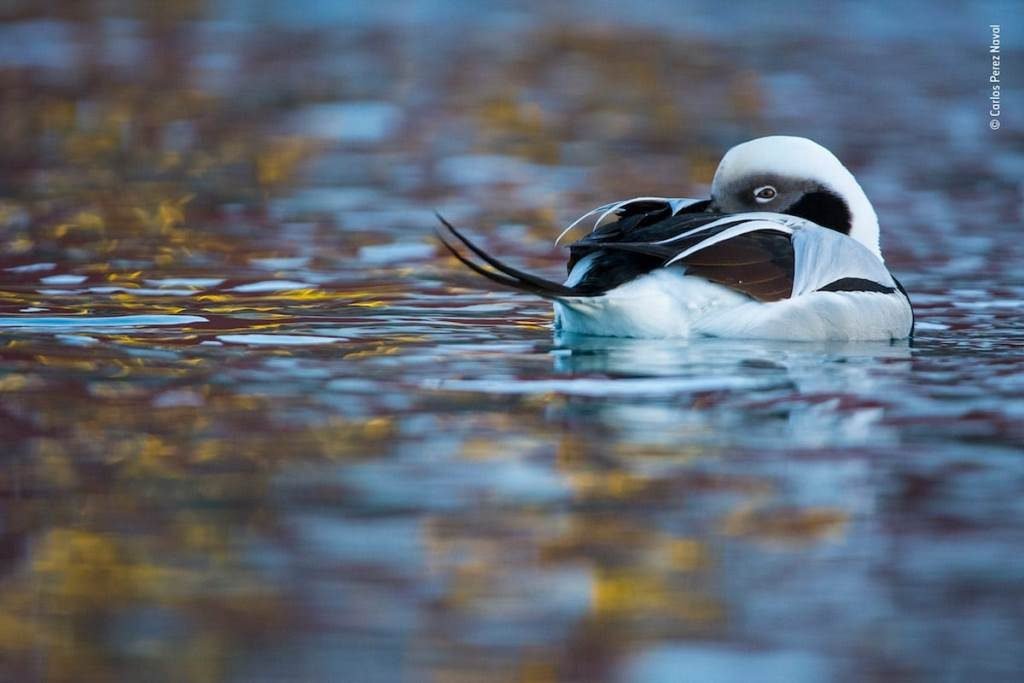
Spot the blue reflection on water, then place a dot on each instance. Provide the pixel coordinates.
(97, 322)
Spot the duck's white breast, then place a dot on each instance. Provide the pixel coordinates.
(668, 303)
(662, 303)
(845, 316)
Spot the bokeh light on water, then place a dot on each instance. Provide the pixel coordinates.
(258, 428)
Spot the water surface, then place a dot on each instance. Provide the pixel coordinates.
(259, 427)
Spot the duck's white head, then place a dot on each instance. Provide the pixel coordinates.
(796, 176)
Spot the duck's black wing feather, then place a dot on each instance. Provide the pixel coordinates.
(643, 220)
(741, 252)
(759, 264)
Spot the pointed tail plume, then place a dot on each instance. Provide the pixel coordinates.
(497, 271)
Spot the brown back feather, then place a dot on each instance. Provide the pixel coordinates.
(759, 265)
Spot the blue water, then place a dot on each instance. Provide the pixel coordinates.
(259, 427)
(100, 323)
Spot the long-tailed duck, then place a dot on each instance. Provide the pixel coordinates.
(785, 248)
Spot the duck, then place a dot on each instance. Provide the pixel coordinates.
(786, 248)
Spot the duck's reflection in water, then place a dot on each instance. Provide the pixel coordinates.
(665, 357)
(736, 392)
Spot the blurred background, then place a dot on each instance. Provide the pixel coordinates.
(257, 426)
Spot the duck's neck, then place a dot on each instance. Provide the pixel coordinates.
(863, 219)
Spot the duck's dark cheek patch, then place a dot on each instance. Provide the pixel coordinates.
(824, 208)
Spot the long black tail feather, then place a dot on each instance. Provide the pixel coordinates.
(499, 272)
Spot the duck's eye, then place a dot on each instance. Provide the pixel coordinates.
(765, 194)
